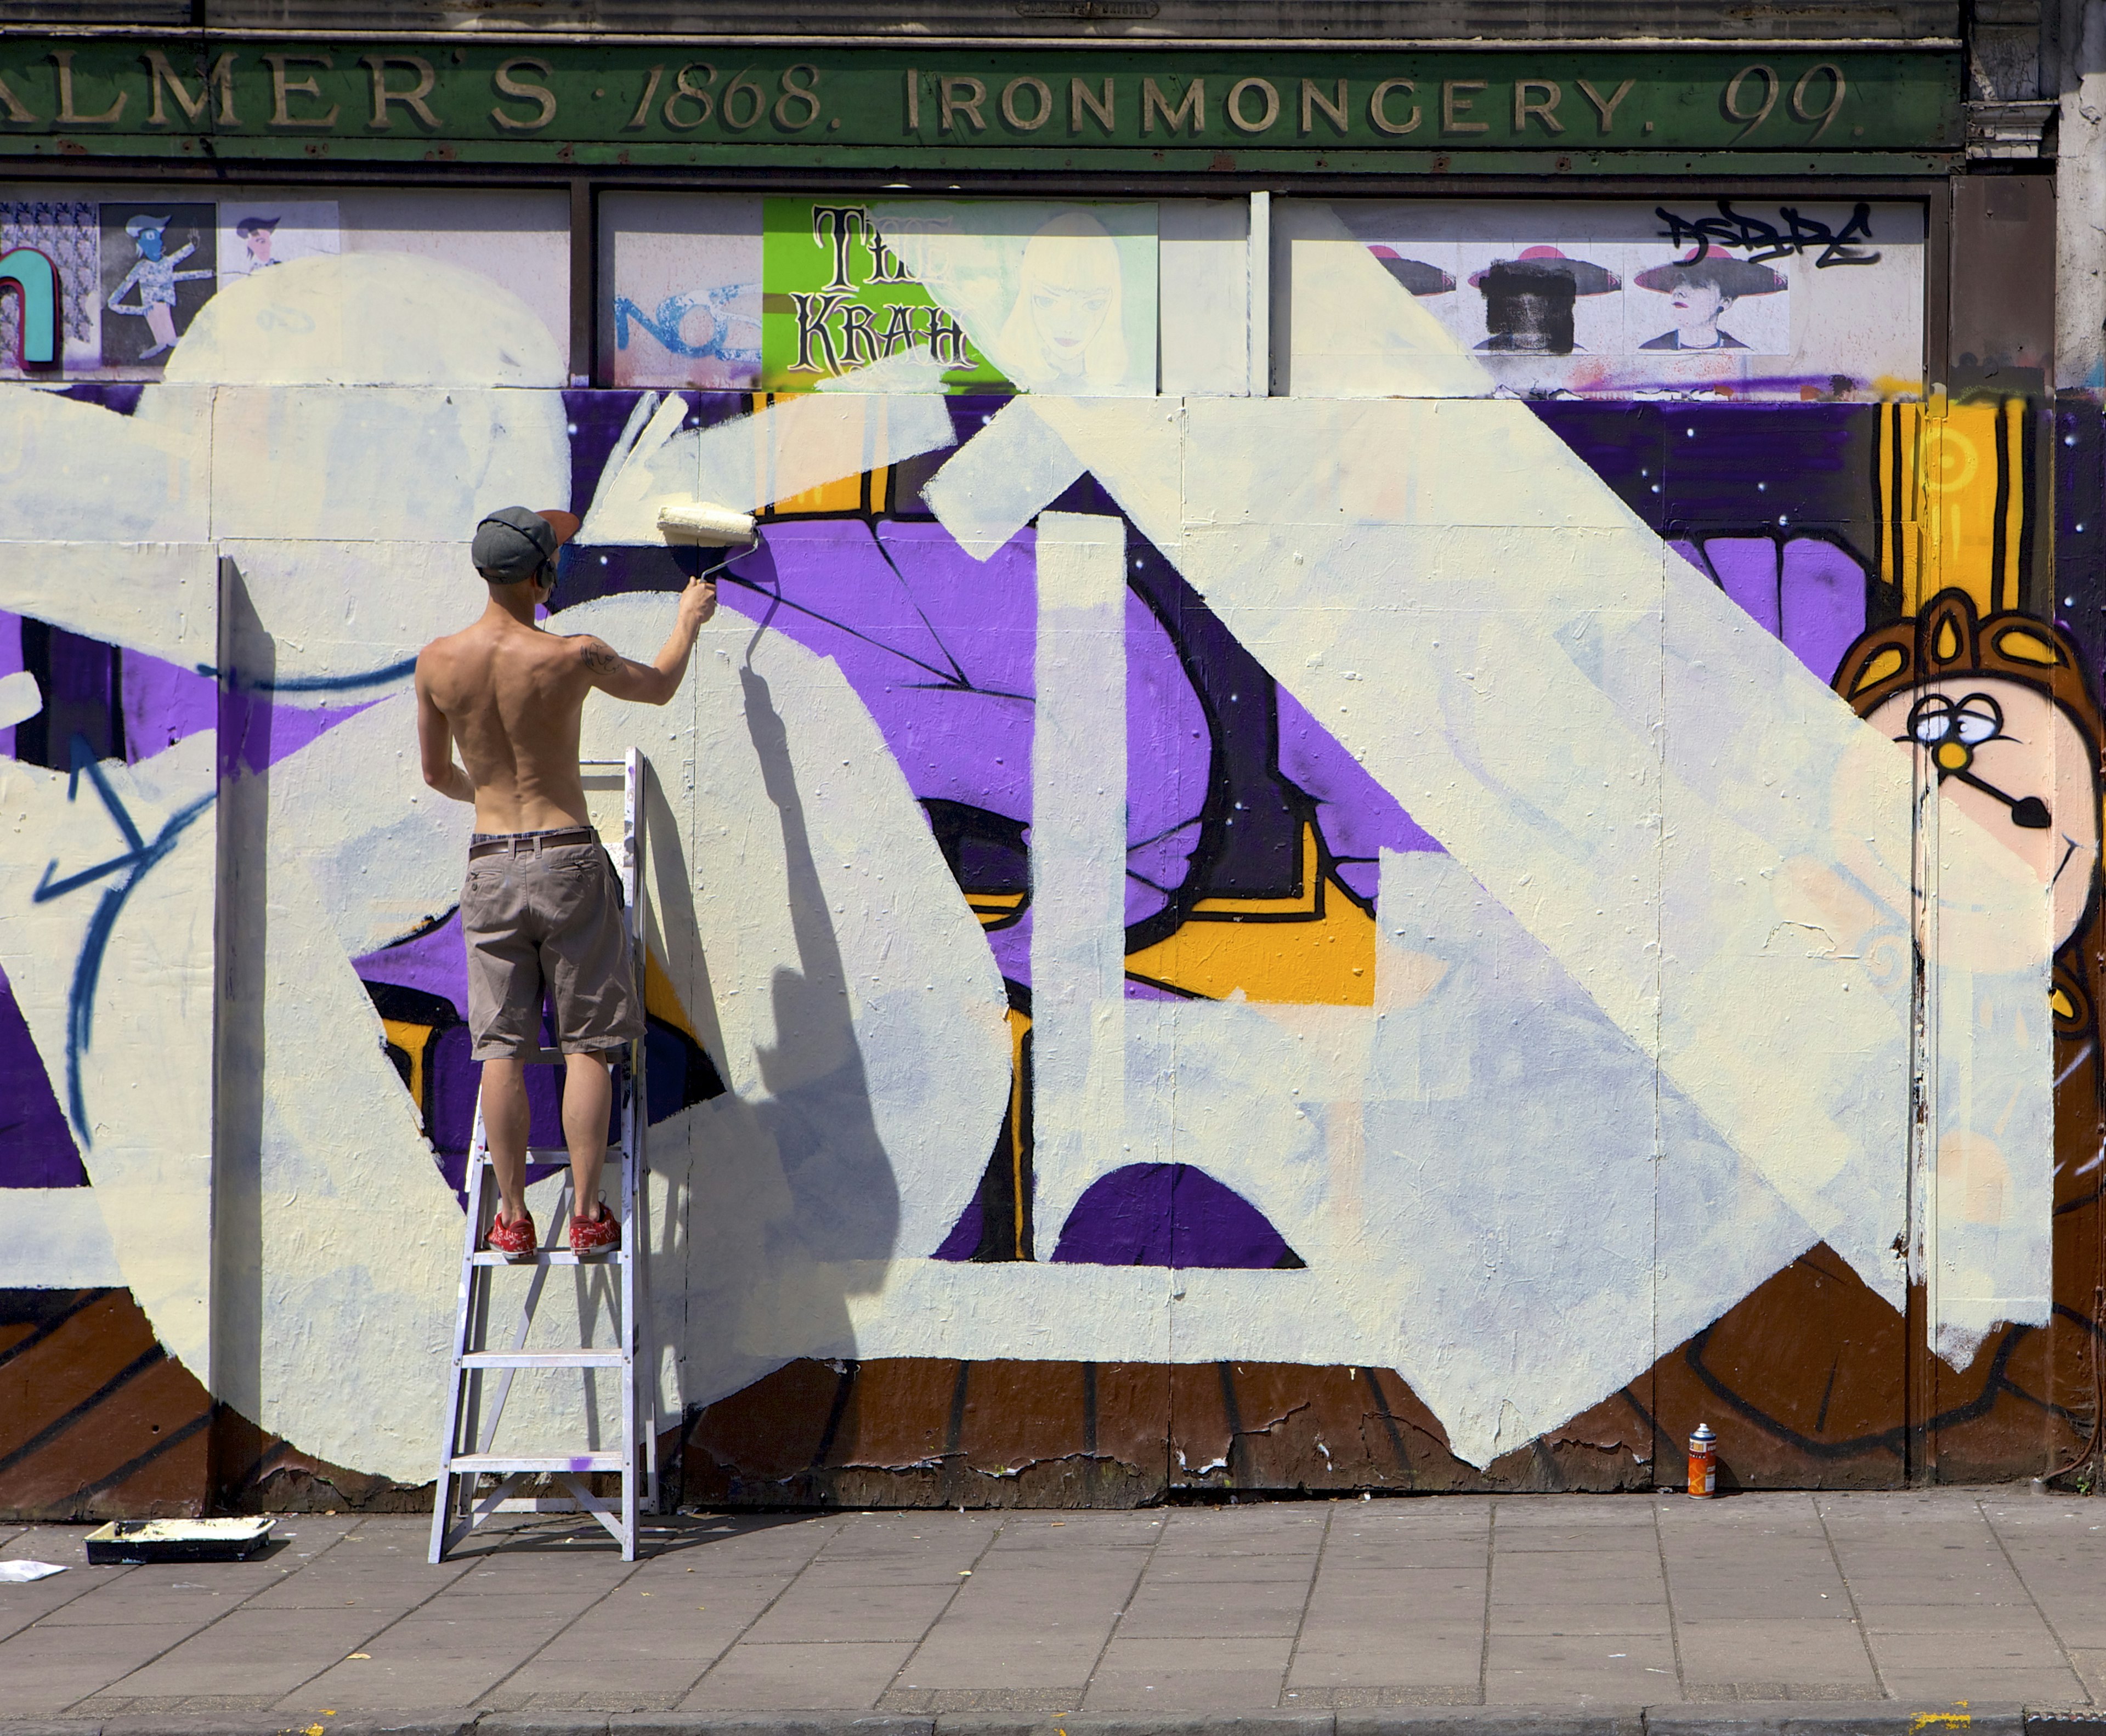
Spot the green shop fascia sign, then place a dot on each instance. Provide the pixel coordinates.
(669, 103)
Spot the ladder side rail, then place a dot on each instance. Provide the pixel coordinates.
(469, 1282)
(525, 1325)
(634, 1107)
(482, 1211)
(639, 1141)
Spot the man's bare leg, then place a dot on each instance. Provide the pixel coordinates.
(588, 1103)
(505, 1117)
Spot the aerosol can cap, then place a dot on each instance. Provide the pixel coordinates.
(1703, 1437)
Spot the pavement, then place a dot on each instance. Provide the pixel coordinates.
(1811, 1614)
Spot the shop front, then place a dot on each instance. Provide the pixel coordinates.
(1398, 800)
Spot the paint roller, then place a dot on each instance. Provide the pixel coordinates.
(703, 524)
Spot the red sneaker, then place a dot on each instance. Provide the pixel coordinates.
(595, 1237)
(517, 1242)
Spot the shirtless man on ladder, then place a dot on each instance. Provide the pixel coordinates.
(541, 909)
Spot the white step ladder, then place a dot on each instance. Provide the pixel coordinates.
(458, 1505)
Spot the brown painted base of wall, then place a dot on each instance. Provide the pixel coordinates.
(1809, 1382)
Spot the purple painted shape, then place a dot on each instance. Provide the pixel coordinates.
(255, 733)
(1358, 817)
(10, 661)
(36, 1148)
(163, 703)
(965, 1236)
(434, 961)
(1823, 603)
(932, 651)
(1168, 1214)
(455, 1081)
(1169, 756)
(1746, 568)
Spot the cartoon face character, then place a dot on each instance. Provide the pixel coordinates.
(258, 235)
(1996, 711)
(1064, 332)
(149, 242)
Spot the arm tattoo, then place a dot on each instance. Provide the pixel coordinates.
(600, 658)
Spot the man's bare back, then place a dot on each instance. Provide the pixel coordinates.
(510, 696)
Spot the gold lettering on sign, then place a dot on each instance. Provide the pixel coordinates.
(1100, 105)
(13, 104)
(283, 89)
(1042, 104)
(62, 58)
(1312, 97)
(1454, 104)
(698, 94)
(1193, 109)
(1605, 106)
(162, 82)
(1544, 108)
(1379, 109)
(412, 99)
(1234, 105)
(962, 96)
(509, 86)
(913, 99)
(644, 102)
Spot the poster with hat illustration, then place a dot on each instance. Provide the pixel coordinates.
(1541, 298)
(254, 236)
(158, 271)
(1664, 297)
(1691, 299)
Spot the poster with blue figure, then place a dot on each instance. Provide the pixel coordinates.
(159, 268)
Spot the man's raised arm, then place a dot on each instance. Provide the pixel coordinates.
(652, 683)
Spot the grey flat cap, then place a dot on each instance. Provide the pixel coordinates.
(515, 542)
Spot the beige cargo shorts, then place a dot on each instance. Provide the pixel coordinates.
(542, 913)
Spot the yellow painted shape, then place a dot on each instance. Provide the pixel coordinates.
(1327, 959)
(660, 1000)
(843, 494)
(2026, 647)
(413, 1039)
(1953, 756)
(1955, 458)
(1886, 663)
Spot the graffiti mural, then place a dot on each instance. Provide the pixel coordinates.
(1394, 936)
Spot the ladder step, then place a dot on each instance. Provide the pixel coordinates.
(500, 1465)
(616, 1155)
(553, 1257)
(541, 1359)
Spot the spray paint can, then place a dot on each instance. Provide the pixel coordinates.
(1703, 1461)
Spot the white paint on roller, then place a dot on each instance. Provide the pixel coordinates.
(999, 479)
(21, 698)
(1078, 842)
(58, 1240)
(146, 1065)
(702, 524)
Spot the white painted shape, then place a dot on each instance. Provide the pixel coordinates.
(161, 598)
(1258, 298)
(79, 473)
(1203, 325)
(21, 698)
(380, 464)
(1060, 296)
(999, 479)
(1078, 1008)
(57, 1240)
(146, 1068)
(834, 973)
(753, 461)
(384, 602)
(1352, 330)
(1486, 633)
(366, 319)
(386, 853)
(911, 370)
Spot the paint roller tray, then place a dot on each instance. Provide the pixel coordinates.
(135, 1542)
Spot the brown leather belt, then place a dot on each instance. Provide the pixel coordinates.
(523, 844)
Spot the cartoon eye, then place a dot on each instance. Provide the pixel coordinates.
(1977, 719)
(1930, 719)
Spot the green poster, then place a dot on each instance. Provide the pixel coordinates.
(836, 298)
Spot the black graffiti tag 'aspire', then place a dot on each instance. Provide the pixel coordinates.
(1765, 241)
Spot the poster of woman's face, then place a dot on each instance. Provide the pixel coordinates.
(159, 268)
(1719, 303)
